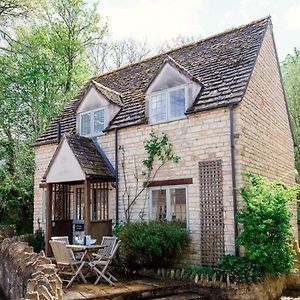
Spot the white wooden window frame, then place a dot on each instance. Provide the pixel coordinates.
(167, 93)
(92, 112)
(168, 201)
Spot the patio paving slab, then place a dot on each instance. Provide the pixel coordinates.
(127, 288)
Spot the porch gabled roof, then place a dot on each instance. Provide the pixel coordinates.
(87, 153)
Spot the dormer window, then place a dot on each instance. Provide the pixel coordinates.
(167, 105)
(92, 123)
(97, 108)
(170, 92)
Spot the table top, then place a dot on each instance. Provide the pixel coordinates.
(85, 247)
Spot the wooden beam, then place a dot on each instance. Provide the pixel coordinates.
(87, 207)
(171, 182)
(49, 200)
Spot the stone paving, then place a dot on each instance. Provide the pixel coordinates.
(127, 288)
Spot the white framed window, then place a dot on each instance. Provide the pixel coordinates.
(169, 203)
(92, 123)
(167, 105)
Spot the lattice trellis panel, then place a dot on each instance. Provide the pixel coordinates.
(211, 212)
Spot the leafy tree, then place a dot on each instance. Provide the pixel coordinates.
(75, 27)
(40, 69)
(291, 79)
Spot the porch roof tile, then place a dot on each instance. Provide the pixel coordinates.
(91, 161)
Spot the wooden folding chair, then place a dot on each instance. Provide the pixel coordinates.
(66, 240)
(65, 263)
(101, 264)
(109, 243)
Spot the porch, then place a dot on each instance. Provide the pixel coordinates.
(79, 187)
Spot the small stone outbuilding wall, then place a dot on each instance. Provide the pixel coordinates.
(25, 274)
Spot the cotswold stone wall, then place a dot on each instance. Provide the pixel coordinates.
(201, 136)
(43, 155)
(264, 143)
(25, 274)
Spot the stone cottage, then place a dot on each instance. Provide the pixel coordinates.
(221, 103)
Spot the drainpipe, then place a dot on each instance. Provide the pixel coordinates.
(117, 175)
(233, 176)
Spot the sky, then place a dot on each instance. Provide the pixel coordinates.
(159, 20)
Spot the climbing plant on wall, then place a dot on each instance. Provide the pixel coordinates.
(159, 151)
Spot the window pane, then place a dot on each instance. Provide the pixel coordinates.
(158, 108)
(79, 204)
(98, 121)
(159, 205)
(178, 205)
(177, 103)
(85, 124)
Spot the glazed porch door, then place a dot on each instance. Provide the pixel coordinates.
(62, 211)
(78, 211)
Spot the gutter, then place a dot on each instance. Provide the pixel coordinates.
(233, 176)
(117, 175)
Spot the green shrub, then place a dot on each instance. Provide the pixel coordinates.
(266, 224)
(152, 244)
(117, 228)
(239, 269)
(37, 240)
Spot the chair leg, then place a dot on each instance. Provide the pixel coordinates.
(112, 276)
(76, 273)
(102, 275)
(80, 273)
(73, 278)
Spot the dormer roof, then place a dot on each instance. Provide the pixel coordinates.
(169, 60)
(109, 94)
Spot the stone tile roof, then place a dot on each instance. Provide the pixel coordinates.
(92, 162)
(88, 156)
(223, 63)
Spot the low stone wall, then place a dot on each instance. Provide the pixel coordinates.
(25, 274)
(222, 288)
(269, 289)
